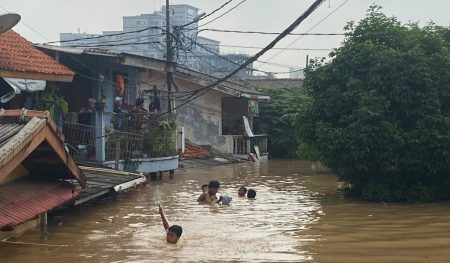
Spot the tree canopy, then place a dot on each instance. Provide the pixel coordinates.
(380, 110)
(278, 117)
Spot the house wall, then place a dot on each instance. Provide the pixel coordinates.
(202, 118)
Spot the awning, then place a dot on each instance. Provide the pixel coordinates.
(19, 85)
(23, 199)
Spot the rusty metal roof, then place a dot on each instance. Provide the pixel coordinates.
(24, 199)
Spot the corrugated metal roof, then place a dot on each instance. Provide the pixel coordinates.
(8, 130)
(26, 198)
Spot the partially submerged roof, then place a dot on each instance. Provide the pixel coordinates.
(26, 198)
(229, 87)
(20, 59)
(31, 140)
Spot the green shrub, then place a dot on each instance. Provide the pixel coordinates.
(380, 111)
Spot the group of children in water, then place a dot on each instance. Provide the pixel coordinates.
(208, 196)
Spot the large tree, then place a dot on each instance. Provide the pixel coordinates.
(278, 117)
(380, 116)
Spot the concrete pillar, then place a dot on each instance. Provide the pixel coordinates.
(181, 140)
(99, 125)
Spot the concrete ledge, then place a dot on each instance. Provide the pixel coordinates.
(146, 165)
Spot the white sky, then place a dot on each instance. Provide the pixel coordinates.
(50, 17)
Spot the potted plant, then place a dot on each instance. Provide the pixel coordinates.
(100, 104)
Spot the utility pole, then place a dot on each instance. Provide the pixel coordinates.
(169, 59)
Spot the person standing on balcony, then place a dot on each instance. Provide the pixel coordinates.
(119, 113)
(139, 114)
(139, 106)
(118, 105)
(86, 114)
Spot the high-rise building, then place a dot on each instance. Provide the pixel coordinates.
(144, 35)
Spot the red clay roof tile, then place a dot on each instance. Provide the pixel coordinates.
(19, 54)
(193, 151)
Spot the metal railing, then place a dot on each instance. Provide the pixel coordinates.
(80, 140)
(136, 122)
(150, 142)
(243, 145)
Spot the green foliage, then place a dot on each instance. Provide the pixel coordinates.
(53, 102)
(380, 116)
(160, 140)
(278, 116)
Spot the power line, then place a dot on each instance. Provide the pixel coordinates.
(275, 48)
(295, 41)
(121, 40)
(285, 32)
(121, 44)
(108, 35)
(214, 11)
(236, 64)
(25, 24)
(269, 33)
(231, 9)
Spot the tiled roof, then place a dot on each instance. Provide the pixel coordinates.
(19, 55)
(192, 151)
(24, 199)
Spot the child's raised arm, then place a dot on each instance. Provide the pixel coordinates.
(163, 218)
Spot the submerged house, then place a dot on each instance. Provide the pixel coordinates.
(221, 118)
(36, 172)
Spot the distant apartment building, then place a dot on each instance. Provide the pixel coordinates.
(78, 39)
(144, 35)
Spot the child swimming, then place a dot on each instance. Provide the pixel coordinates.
(242, 191)
(173, 232)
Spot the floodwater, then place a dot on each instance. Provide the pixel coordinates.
(298, 216)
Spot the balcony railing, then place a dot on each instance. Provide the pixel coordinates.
(243, 145)
(150, 142)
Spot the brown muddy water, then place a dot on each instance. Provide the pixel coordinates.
(298, 216)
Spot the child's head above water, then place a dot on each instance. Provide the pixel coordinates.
(173, 234)
(251, 193)
(242, 191)
(204, 187)
(213, 186)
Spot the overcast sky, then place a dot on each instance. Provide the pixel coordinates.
(50, 17)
